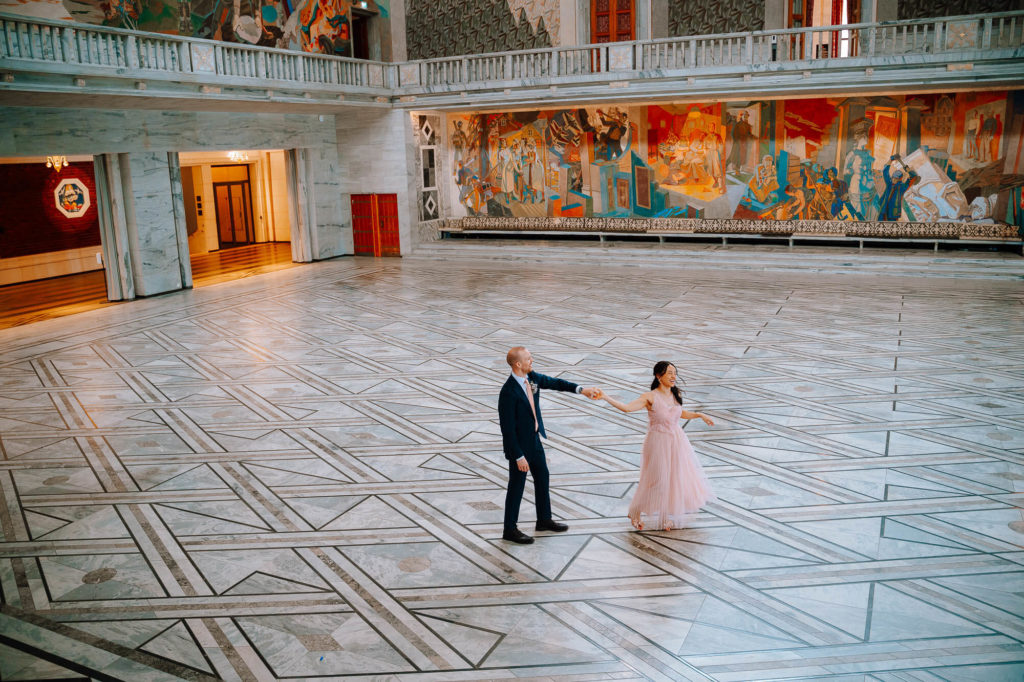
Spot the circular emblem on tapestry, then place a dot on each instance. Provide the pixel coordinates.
(71, 197)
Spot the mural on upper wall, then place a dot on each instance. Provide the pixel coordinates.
(321, 26)
(926, 158)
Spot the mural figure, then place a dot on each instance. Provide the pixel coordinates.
(123, 13)
(324, 27)
(842, 208)
(742, 134)
(972, 135)
(713, 157)
(611, 134)
(459, 140)
(821, 196)
(764, 183)
(794, 205)
(72, 199)
(859, 177)
(898, 179)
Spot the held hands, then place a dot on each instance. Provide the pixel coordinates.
(592, 392)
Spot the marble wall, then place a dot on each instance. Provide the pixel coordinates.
(930, 158)
(376, 149)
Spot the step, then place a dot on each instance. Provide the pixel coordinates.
(805, 259)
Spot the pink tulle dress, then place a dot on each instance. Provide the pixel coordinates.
(672, 483)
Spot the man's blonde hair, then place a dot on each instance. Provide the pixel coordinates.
(515, 355)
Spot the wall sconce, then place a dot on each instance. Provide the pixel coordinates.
(56, 162)
(238, 157)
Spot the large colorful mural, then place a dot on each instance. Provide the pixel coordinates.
(926, 158)
(321, 26)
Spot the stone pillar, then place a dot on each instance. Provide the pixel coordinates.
(117, 258)
(642, 17)
(775, 15)
(180, 223)
(582, 16)
(149, 218)
(320, 228)
(659, 19)
(881, 10)
(399, 45)
(302, 210)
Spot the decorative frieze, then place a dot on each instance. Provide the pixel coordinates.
(723, 226)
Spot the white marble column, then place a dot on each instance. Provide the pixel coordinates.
(149, 215)
(117, 258)
(180, 223)
(300, 205)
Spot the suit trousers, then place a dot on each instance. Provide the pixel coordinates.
(517, 484)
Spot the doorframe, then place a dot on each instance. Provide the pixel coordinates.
(250, 228)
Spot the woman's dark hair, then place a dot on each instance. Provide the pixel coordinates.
(660, 368)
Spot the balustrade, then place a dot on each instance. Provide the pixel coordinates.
(29, 40)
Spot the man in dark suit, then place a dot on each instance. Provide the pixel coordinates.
(521, 429)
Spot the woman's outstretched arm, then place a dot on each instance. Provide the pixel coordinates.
(638, 404)
(696, 415)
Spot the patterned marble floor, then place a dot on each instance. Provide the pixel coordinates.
(300, 475)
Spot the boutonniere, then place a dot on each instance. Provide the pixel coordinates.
(533, 387)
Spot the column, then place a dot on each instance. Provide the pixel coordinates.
(150, 221)
(117, 259)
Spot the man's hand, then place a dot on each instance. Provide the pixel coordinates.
(523, 466)
(592, 392)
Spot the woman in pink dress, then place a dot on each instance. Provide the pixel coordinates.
(672, 483)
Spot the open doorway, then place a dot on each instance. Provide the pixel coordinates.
(361, 34)
(236, 213)
(51, 261)
(823, 44)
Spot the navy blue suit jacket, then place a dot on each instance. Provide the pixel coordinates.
(517, 434)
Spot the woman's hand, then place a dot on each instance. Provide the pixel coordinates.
(706, 419)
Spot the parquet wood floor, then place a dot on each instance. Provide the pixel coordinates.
(45, 299)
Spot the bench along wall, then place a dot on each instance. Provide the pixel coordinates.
(928, 158)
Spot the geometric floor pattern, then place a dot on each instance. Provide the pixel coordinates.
(300, 475)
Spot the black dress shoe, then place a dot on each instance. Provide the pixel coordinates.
(553, 526)
(517, 536)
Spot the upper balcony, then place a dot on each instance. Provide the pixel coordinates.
(52, 63)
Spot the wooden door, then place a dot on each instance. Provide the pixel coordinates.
(375, 225)
(611, 21)
(234, 213)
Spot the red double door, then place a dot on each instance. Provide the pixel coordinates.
(375, 224)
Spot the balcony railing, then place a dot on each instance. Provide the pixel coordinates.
(134, 53)
(29, 44)
(950, 35)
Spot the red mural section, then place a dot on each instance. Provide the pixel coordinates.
(45, 210)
